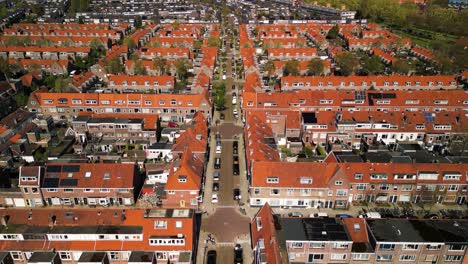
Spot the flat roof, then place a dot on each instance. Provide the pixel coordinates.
(312, 229)
(92, 257)
(403, 230)
(141, 256)
(42, 256)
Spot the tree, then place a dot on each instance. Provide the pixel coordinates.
(347, 62)
(96, 44)
(138, 68)
(182, 68)
(372, 65)
(61, 84)
(128, 41)
(401, 67)
(219, 101)
(333, 32)
(268, 68)
(37, 9)
(114, 66)
(197, 44)
(213, 42)
(315, 66)
(291, 68)
(160, 64)
(138, 22)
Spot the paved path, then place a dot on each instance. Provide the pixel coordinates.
(226, 224)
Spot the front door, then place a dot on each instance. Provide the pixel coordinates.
(393, 199)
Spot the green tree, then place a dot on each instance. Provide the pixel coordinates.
(37, 9)
(372, 65)
(138, 22)
(315, 66)
(96, 44)
(213, 42)
(268, 68)
(128, 41)
(219, 101)
(160, 64)
(114, 66)
(347, 62)
(197, 44)
(139, 69)
(61, 84)
(401, 67)
(182, 68)
(333, 32)
(291, 67)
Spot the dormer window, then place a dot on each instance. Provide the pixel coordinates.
(182, 179)
(272, 180)
(306, 180)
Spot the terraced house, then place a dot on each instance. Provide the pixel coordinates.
(97, 236)
(169, 107)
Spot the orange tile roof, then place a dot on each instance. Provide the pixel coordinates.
(190, 168)
(290, 174)
(41, 218)
(120, 175)
(267, 232)
(141, 79)
(150, 120)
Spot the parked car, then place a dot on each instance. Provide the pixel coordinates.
(211, 257)
(234, 112)
(216, 175)
(236, 194)
(235, 169)
(319, 214)
(217, 163)
(371, 215)
(238, 258)
(295, 214)
(218, 149)
(214, 198)
(343, 216)
(221, 116)
(215, 186)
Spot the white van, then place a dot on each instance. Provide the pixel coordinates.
(218, 149)
(374, 215)
(234, 100)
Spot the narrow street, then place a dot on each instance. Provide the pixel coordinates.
(224, 220)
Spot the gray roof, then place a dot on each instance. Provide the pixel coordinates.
(141, 256)
(92, 257)
(403, 230)
(42, 256)
(311, 229)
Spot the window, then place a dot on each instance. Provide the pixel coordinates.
(104, 190)
(178, 224)
(16, 255)
(452, 188)
(160, 224)
(453, 258)
(358, 176)
(341, 193)
(384, 186)
(88, 190)
(64, 255)
(25, 190)
(410, 247)
(114, 255)
(361, 256)
(68, 190)
(378, 176)
(407, 257)
(456, 247)
(297, 245)
(338, 183)
(272, 180)
(274, 192)
(317, 245)
(387, 247)
(173, 102)
(360, 186)
(315, 257)
(340, 245)
(384, 257)
(306, 180)
(338, 256)
(433, 247)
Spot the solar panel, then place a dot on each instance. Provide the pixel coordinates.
(51, 182)
(428, 116)
(55, 169)
(68, 182)
(71, 168)
(389, 95)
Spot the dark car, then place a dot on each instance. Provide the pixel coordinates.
(235, 169)
(217, 163)
(344, 216)
(221, 116)
(238, 259)
(215, 186)
(234, 151)
(236, 194)
(235, 145)
(211, 257)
